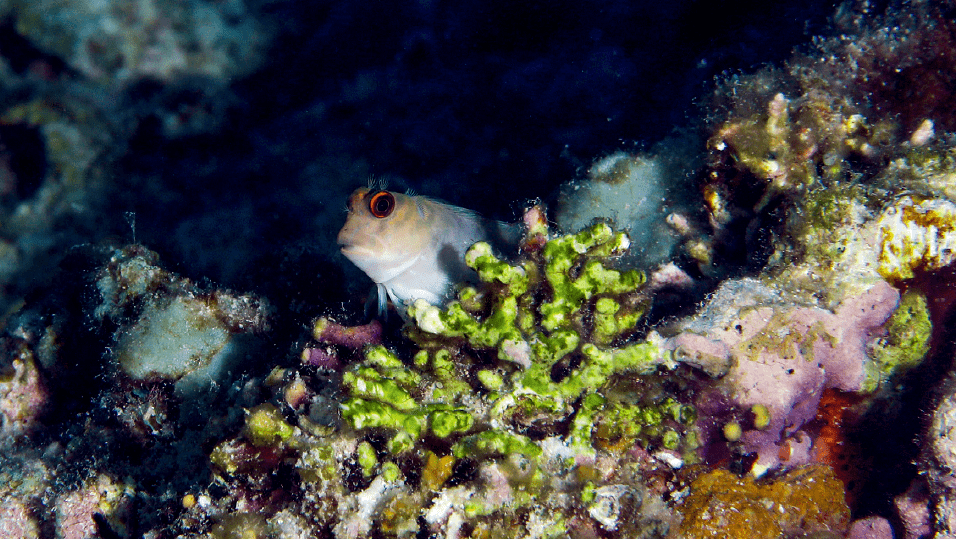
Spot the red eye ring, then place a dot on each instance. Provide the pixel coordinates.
(381, 204)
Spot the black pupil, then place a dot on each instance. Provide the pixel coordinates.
(383, 204)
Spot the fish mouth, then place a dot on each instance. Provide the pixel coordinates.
(353, 249)
(349, 245)
(359, 244)
(366, 258)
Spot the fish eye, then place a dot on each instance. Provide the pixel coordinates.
(381, 204)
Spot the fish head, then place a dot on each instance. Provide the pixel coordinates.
(384, 234)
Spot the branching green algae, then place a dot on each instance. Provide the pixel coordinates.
(523, 355)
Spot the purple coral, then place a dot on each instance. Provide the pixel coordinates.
(332, 334)
(781, 357)
(913, 509)
(870, 527)
(321, 358)
(352, 337)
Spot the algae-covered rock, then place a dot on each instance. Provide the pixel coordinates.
(916, 235)
(908, 335)
(808, 500)
(169, 329)
(266, 427)
(635, 193)
(173, 339)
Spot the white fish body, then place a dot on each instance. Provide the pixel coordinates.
(414, 247)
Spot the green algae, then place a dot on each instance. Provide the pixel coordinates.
(908, 335)
(761, 416)
(532, 371)
(265, 426)
(557, 311)
(366, 458)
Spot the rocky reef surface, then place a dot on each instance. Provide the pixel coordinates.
(742, 330)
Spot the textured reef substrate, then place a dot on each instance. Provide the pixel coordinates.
(742, 330)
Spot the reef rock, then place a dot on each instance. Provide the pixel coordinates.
(781, 356)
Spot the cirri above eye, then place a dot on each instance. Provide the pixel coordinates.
(381, 204)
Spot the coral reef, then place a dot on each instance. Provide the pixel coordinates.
(742, 331)
(521, 401)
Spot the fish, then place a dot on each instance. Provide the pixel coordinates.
(413, 246)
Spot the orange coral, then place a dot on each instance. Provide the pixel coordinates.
(833, 446)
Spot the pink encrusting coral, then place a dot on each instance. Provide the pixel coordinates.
(781, 358)
(16, 520)
(23, 395)
(102, 496)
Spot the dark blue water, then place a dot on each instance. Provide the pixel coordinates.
(484, 104)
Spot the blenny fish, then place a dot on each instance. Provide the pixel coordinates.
(413, 246)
